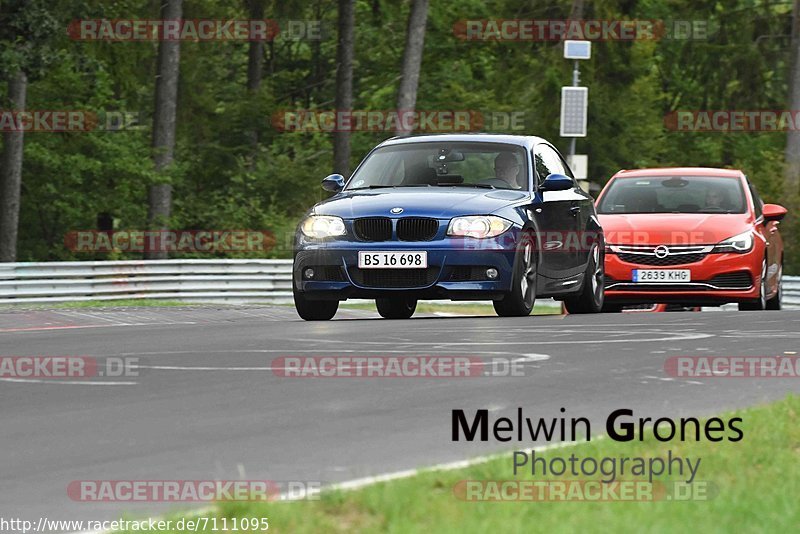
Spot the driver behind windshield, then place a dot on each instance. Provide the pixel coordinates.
(506, 168)
(714, 199)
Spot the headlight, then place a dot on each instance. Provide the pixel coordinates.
(738, 243)
(479, 226)
(320, 226)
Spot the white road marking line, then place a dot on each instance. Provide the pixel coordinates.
(72, 314)
(675, 337)
(652, 377)
(293, 352)
(67, 382)
(358, 483)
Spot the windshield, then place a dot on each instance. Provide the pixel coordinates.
(431, 164)
(673, 194)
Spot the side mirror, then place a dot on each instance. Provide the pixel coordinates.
(774, 212)
(557, 182)
(333, 183)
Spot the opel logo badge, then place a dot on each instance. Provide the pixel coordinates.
(661, 251)
(397, 210)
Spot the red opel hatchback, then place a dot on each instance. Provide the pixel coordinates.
(690, 236)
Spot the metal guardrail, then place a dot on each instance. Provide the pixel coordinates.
(201, 280)
(214, 279)
(791, 292)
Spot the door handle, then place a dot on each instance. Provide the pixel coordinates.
(575, 210)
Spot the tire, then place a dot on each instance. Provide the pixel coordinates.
(775, 302)
(396, 307)
(519, 301)
(314, 310)
(761, 302)
(592, 296)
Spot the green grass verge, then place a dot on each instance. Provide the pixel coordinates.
(757, 481)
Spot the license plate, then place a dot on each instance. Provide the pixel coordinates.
(392, 260)
(662, 275)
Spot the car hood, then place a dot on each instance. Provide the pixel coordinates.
(434, 202)
(672, 228)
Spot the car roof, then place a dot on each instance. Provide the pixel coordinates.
(681, 171)
(527, 141)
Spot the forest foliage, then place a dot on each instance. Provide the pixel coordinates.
(222, 180)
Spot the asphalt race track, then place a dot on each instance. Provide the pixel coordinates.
(208, 405)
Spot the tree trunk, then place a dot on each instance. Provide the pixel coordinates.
(255, 54)
(412, 61)
(791, 175)
(344, 84)
(11, 173)
(316, 59)
(576, 13)
(160, 195)
(255, 73)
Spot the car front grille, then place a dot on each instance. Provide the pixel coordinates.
(394, 278)
(728, 280)
(648, 254)
(417, 229)
(679, 259)
(373, 228)
(467, 273)
(661, 288)
(736, 280)
(326, 273)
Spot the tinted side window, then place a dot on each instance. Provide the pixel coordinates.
(542, 169)
(567, 169)
(757, 202)
(552, 160)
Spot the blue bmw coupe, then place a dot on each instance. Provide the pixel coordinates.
(458, 217)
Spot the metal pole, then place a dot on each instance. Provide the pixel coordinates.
(576, 81)
(576, 75)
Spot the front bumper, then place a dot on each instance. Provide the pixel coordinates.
(456, 269)
(715, 279)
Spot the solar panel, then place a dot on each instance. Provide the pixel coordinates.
(574, 104)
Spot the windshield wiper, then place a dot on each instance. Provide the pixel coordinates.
(381, 186)
(482, 186)
(370, 187)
